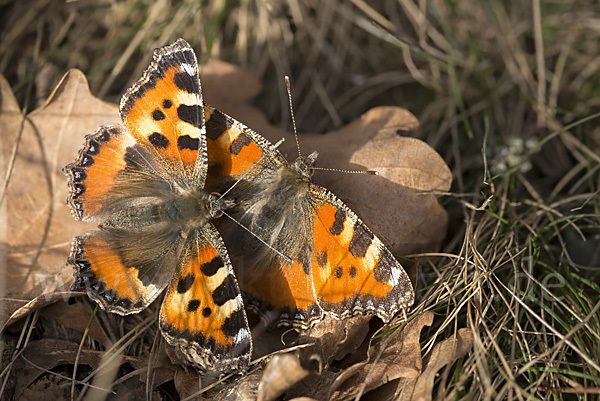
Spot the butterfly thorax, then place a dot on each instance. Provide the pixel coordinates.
(303, 166)
(192, 207)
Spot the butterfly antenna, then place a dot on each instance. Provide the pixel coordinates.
(286, 258)
(250, 169)
(289, 91)
(368, 172)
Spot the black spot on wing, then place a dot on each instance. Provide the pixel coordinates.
(167, 103)
(93, 148)
(190, 114)
(186, 82)
(158, 115)
(225, 292)
(361, 239)
(353, 272)
(339, 272)
(206, 312)
(105, 134)
(216, 125)
(79, 174)
(185, 283)
(187, 142)
(158, 140)
(211, 268)
(338, 224)
(238, 144)
(77, 190)
(322, 258)
(193, 305)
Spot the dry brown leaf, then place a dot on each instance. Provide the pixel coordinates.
(442, 354)
(282, 372)
(42, 355)
(303, 399)
(395, 355)
(37, 223)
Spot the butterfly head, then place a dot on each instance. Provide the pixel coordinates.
(217, 205)
(304, 165)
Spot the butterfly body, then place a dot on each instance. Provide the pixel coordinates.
(338, 267)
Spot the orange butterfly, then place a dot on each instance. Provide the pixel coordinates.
(144, 184)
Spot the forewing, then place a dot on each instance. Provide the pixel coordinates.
(234, 150)
(164, 112)
(111, 170)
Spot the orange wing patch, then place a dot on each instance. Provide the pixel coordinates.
(101, 272)
(231, 149)
(285, 287)
(99, 162)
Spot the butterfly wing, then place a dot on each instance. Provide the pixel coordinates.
(341, 273)
(234, 150)
(127, 262)
(124, 270)
(203, 312)
(111, 170)
(164, 112)
(353, 272)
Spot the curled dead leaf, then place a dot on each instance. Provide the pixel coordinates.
(187, 382)
(282, 372)
(442, 354)
(243, 390)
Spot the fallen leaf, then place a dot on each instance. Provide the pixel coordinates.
(303, 399)
(37, 224)
(400, 204)
(282, 372)
(244, 389)
(50, 388)
(395, 355)
(442, 354)
(41, 356)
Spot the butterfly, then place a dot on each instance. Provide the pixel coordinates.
(319, 258)
(144, 182)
